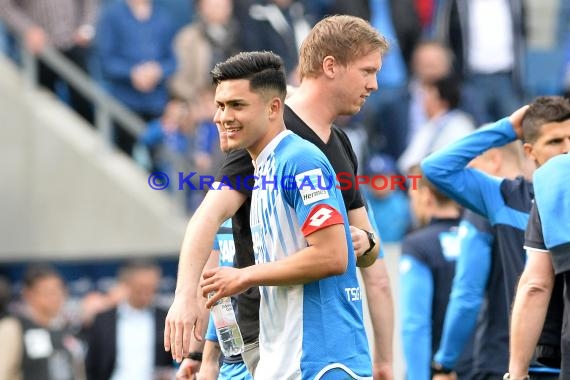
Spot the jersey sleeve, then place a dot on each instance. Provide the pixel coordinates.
(471, 275)
(447, 169)
(552, 196)
(237, 172)
(533, 238)
(311, 191)
(416, 292)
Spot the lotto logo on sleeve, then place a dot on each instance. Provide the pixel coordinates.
(321, 216)
(310, 187)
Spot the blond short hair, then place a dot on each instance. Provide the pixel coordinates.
(346, 38)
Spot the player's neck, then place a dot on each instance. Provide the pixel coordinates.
(256, 149)
(308, 103)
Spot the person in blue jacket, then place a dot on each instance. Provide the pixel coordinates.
(478, 278)
(427, 267)
(505, 202)
(134, 49)
(548, 231)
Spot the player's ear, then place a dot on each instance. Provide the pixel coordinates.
(528, 151)
(275, 108)
(329, 66)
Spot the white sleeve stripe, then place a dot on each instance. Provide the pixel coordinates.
(535, 249)
(323, 371)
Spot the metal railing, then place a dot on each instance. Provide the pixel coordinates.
(107, 110)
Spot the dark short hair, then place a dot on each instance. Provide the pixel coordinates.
(263, 69)
(138, 264)
(449, 90)
(37, 272)
(440, 198)
(544, 110)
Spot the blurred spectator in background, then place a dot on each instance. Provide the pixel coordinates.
(487, 38)
(168, 138)
(42, 346)
(446, 122)
(10, 336)
(212, 38)
(279, 26)
(134, 43)
(385, 112)
(405, 113)
(125, 342)
(96, 302)
(427, 267)
(67, 25)
(358, 8)
(389, 203)
(430, 61)
(207, 152)
(427, 13)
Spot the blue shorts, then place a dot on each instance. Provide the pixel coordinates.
(236, 371)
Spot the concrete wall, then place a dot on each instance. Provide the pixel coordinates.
(63, 194)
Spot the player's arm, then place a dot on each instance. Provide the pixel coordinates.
(326, 255)
(185, 313)
(416, 287)
(529, 310)
(471, 275)
(193, 365)
(447, 168)
(211, 358)
(210, 361)
(11, 349)
(381, 309)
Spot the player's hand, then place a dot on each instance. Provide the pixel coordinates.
(516, 120)
(382, 371)
(184, 315)
(451, 376)
(360, 241)
(223, 282)
(188, 369)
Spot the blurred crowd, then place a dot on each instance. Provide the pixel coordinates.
(46, 327)
(452, 66)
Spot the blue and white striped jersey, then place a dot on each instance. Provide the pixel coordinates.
(315, 330)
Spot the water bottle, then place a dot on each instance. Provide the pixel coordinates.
(227, 329)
